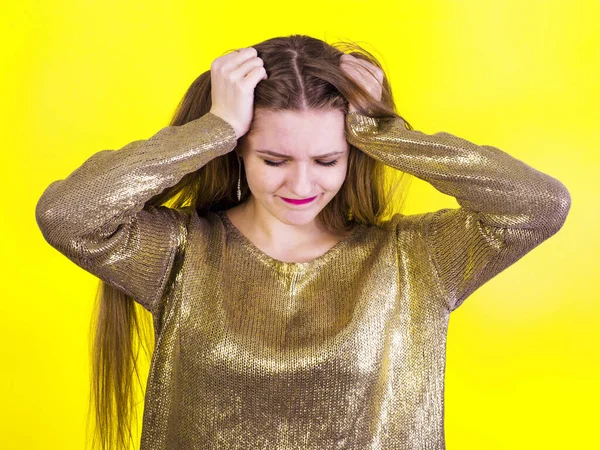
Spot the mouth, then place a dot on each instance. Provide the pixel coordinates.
(301, 201)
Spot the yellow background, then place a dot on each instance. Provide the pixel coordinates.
(81, 76)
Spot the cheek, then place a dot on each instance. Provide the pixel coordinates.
(333, 179)
(262, 178)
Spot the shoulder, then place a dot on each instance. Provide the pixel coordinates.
(412, 227)
(203, 230)
(206, 224)
(402, 222)
(398, 223)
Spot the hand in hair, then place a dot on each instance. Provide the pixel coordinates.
(369, 76)
(233, 78)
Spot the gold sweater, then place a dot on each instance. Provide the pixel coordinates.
(346, 351)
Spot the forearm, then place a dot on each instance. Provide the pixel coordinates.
(113, 185)
(506, 191)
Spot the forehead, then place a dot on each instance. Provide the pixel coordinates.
(309, 132)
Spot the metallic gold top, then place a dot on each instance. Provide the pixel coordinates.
(346, 351)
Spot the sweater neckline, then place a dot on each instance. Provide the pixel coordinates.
(248, 245)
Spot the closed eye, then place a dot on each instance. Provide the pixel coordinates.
(322, 163)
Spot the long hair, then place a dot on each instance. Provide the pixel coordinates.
(303, 73)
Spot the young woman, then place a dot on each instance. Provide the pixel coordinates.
(287, 312)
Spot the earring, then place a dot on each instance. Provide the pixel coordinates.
(239, 190)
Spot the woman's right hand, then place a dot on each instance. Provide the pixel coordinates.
(233, 78)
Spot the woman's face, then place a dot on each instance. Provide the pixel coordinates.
(295, 155)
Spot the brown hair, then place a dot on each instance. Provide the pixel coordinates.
(303, 73)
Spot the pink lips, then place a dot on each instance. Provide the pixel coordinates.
(298, 201)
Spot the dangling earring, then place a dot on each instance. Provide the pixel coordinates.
(239, 190)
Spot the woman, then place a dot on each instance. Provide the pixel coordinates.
(287, 312)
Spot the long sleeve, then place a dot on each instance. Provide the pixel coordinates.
(98, 216)
(507, 207)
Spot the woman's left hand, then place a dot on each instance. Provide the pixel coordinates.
(370, 77)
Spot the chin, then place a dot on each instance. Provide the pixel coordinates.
(299, 216)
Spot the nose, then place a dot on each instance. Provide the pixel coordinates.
(301, 182)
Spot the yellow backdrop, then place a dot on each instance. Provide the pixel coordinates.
(82, 76)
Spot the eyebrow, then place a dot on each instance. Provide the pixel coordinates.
(281, 155)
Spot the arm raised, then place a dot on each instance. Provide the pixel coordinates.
(98, 217)
(507, 207)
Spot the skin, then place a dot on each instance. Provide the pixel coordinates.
(283, 231)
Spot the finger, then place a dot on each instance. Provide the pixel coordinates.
(356, 66)
(255, 76)
(375, 70)
(236, 58)
(356, 72)
(246, 53)
(244, 69)
(367, 73)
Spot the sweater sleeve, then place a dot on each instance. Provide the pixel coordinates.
(98, 217)
(507, 207)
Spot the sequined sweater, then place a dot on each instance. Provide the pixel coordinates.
(346, 351)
